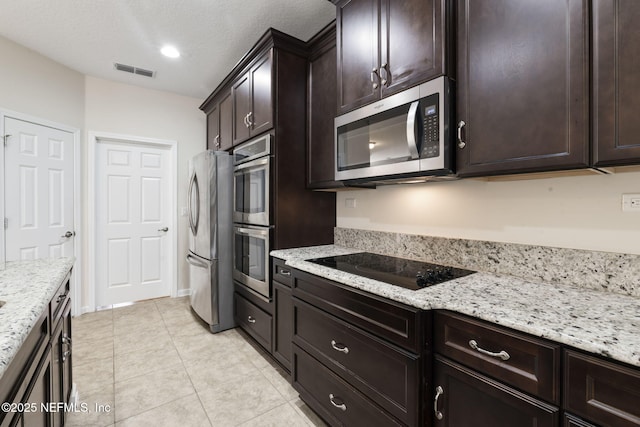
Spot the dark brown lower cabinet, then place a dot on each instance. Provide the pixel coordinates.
(283, 324)
(600, 391)
(334, 399)
(38, 394)
(572, 421)
(466, 398)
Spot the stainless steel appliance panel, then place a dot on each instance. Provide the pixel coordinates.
(251, 258)
(251, 188)
(211, 238)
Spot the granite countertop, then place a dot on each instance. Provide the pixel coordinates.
(26, 287)
(599, 322)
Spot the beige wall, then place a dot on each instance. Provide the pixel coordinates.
(34, 85)
(134, 111)
(580, 212)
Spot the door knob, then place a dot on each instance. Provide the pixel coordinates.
(165, 229)
(68, 234)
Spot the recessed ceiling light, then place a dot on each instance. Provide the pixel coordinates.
(170, 51)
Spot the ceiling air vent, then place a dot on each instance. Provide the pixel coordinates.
(133, 70)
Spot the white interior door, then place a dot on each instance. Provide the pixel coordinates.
(38, 191)
(133, 214)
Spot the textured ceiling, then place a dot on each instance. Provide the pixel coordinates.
(212, 35)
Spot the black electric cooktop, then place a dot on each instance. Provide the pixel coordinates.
(397, 271)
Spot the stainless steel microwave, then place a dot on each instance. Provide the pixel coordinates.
(406, 135)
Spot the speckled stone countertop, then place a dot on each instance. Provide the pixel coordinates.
(26, 287)
(602, 323)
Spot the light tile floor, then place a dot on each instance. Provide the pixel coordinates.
(155, 364)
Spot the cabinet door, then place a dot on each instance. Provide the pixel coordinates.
(57, 376)
(522, 86)
(226, 122)
(411, 42)
(67, 365)
(470, 399)
(358, 53)
(40, 393)
(241, 108)
(261, 112)
(213, 128)
(283, 334)
(321, 111)
(616, 82)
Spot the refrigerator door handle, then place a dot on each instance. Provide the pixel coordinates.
(193, 224)
(197, 262)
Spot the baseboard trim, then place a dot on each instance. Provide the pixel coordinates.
(184, 292)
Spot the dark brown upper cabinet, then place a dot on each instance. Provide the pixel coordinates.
(522, 89)
(321, 110)
(253, 111)
(384, 46)
(616, 82)
(220, 124)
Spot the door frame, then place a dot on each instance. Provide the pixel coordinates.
(76, 276)
(93, 140)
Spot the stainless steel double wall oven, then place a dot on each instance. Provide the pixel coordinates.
(252, 214)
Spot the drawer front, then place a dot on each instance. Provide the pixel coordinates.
(387, 375)
(601, 391)
(531, 365)
(571, 421)
(335, 400)
(254, 321)
(389, 320)
(282, 273)
(59, 299)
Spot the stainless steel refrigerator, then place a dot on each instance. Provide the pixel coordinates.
(210, 255)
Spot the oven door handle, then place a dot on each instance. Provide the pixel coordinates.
(411, 129)
(251, 231)
(257, 162)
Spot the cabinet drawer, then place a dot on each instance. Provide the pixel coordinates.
(282, 273)
(387, 375)
(59, 298)
(335, 400)
(601, 391)
(532, 366)
(394, 322)
(254, 321)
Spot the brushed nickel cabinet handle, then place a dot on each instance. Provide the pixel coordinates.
(384, 81)
(500, 355)
(374, 74)
(439, 392)
(339, 347)
(285, 272)
(341, 406)
(251, 319)
(461, 143)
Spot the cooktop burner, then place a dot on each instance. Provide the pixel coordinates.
(397, 271)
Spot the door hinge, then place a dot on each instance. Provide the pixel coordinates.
(6, 139)
(6, 223)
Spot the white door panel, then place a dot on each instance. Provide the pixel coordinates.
(131, 207)
(38, 191)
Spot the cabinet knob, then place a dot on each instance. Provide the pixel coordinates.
(461, 143)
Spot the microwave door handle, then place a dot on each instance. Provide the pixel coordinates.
(411, 129)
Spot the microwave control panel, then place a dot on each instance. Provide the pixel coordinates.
(431, 123)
